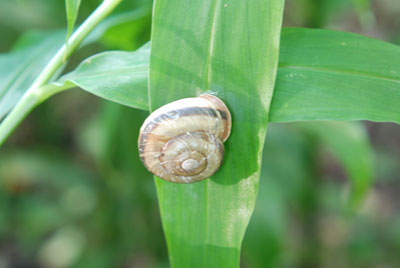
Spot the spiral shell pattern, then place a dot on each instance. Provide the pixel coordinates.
(182, 141)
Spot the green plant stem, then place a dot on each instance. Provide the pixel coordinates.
(38, 92)
(25, 105)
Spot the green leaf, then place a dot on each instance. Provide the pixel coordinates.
(117, 76)
(72, 8)
(287, 169)
(20, 67)
(215, 46)
(111, 26)
(323, 75)
(349, 142)
(328, 75)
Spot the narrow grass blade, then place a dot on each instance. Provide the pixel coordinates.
(72, 8)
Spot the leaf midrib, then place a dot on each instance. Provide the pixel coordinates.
(211, 44)
(207, 87)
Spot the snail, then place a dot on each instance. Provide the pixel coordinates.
(182, 141)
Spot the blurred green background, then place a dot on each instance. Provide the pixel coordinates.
(73, 192)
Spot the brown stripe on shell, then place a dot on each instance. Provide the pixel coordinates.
(224, 112)
(161, 127)
(190, 111)
(149, 138)
(210, 147)
(221, 150)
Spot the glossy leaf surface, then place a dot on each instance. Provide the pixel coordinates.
(322, 75)
(215, 46)
(20, 67)
(117, 76)
(327, 75)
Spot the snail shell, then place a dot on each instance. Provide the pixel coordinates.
(182, 141)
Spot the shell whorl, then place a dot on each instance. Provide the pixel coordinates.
(182, 141)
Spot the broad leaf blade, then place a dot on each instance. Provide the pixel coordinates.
(117, 76)
(323, 75)
(206, 45)
(19, 68)
(327, 75)
(112, 24)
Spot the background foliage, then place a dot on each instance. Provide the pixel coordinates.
(74, 193)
